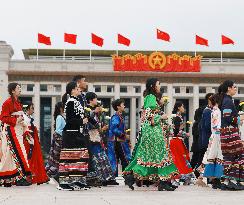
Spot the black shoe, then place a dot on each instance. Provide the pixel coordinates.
(23, 182)
(105, 183)
(234, 186)
(112, 182)
(241, 186)
(164, 186)
(224, 187)
(65, 187)
(139, 183)
(7, 184)
(129, 180)
(171, 185)
(147, 183)
(216, 184)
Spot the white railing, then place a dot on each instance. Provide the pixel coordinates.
(100, 58)
(224, 60)
(71, 58)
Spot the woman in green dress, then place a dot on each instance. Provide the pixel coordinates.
(151, 159)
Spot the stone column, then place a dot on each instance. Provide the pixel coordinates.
(116, 95)
(6, 53)
(133, 120)
(36, 101)
(193, 105)
(171, 100)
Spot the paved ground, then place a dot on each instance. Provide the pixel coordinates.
(47, 194)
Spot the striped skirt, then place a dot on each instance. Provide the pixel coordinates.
(73, 165)
(233, 155)
(54, 155)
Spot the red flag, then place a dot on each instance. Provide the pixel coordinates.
(226, 40)
(123, 40)
(70, 38)
(44, 39)
(97, 40)
(201, 41)
(163, 35)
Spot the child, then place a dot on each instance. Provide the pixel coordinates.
(118, 146)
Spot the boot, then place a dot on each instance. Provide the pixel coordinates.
(172, 185)
(164, 186)
(216, 184)
(234, 186)
(129, 180)
(23, 182)
(112, 182)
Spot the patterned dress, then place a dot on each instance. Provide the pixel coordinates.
(14, 164)
(180, 154)
(151, 160)
(73, 165)
(100, 159)
(56, 145)
(231, 143)
(213, 157)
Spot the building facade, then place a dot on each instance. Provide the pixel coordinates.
(43, 81)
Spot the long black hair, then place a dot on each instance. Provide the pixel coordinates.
(150, 87)
(223, 89)
(28, 106)
(176, 106)
(57, 111)
(11, 88)
(69, 87)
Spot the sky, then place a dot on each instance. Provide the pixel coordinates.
(21, 20)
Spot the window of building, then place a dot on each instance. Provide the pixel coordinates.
(202, 90)
(137, 89)
(163, 89)
(30, 87)
(110, 89)
(177, 89)
(240, 90)
(43, 87)
(97, 88)
(189, 90)
(57, 88)
(123, 89)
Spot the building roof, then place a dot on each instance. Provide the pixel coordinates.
(107, 53)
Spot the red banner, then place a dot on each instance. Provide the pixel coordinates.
(157, 62)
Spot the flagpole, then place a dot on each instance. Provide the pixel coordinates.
(221, 56)
(195, 46)
(90, 55)
(64, 47)
(37, 53)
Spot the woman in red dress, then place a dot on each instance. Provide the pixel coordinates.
(33, 149)
(14, 166)
(178, 149)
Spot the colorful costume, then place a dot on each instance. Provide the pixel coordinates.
(73, 165)
(151, 159)
(231, 143)
(213, 157)
(178, 149)
(14, 165)
(100, 159)
(54, 154)
(118, 146)
(34, 154)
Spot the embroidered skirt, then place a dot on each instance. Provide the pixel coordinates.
(233, 155)
(54, 155)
